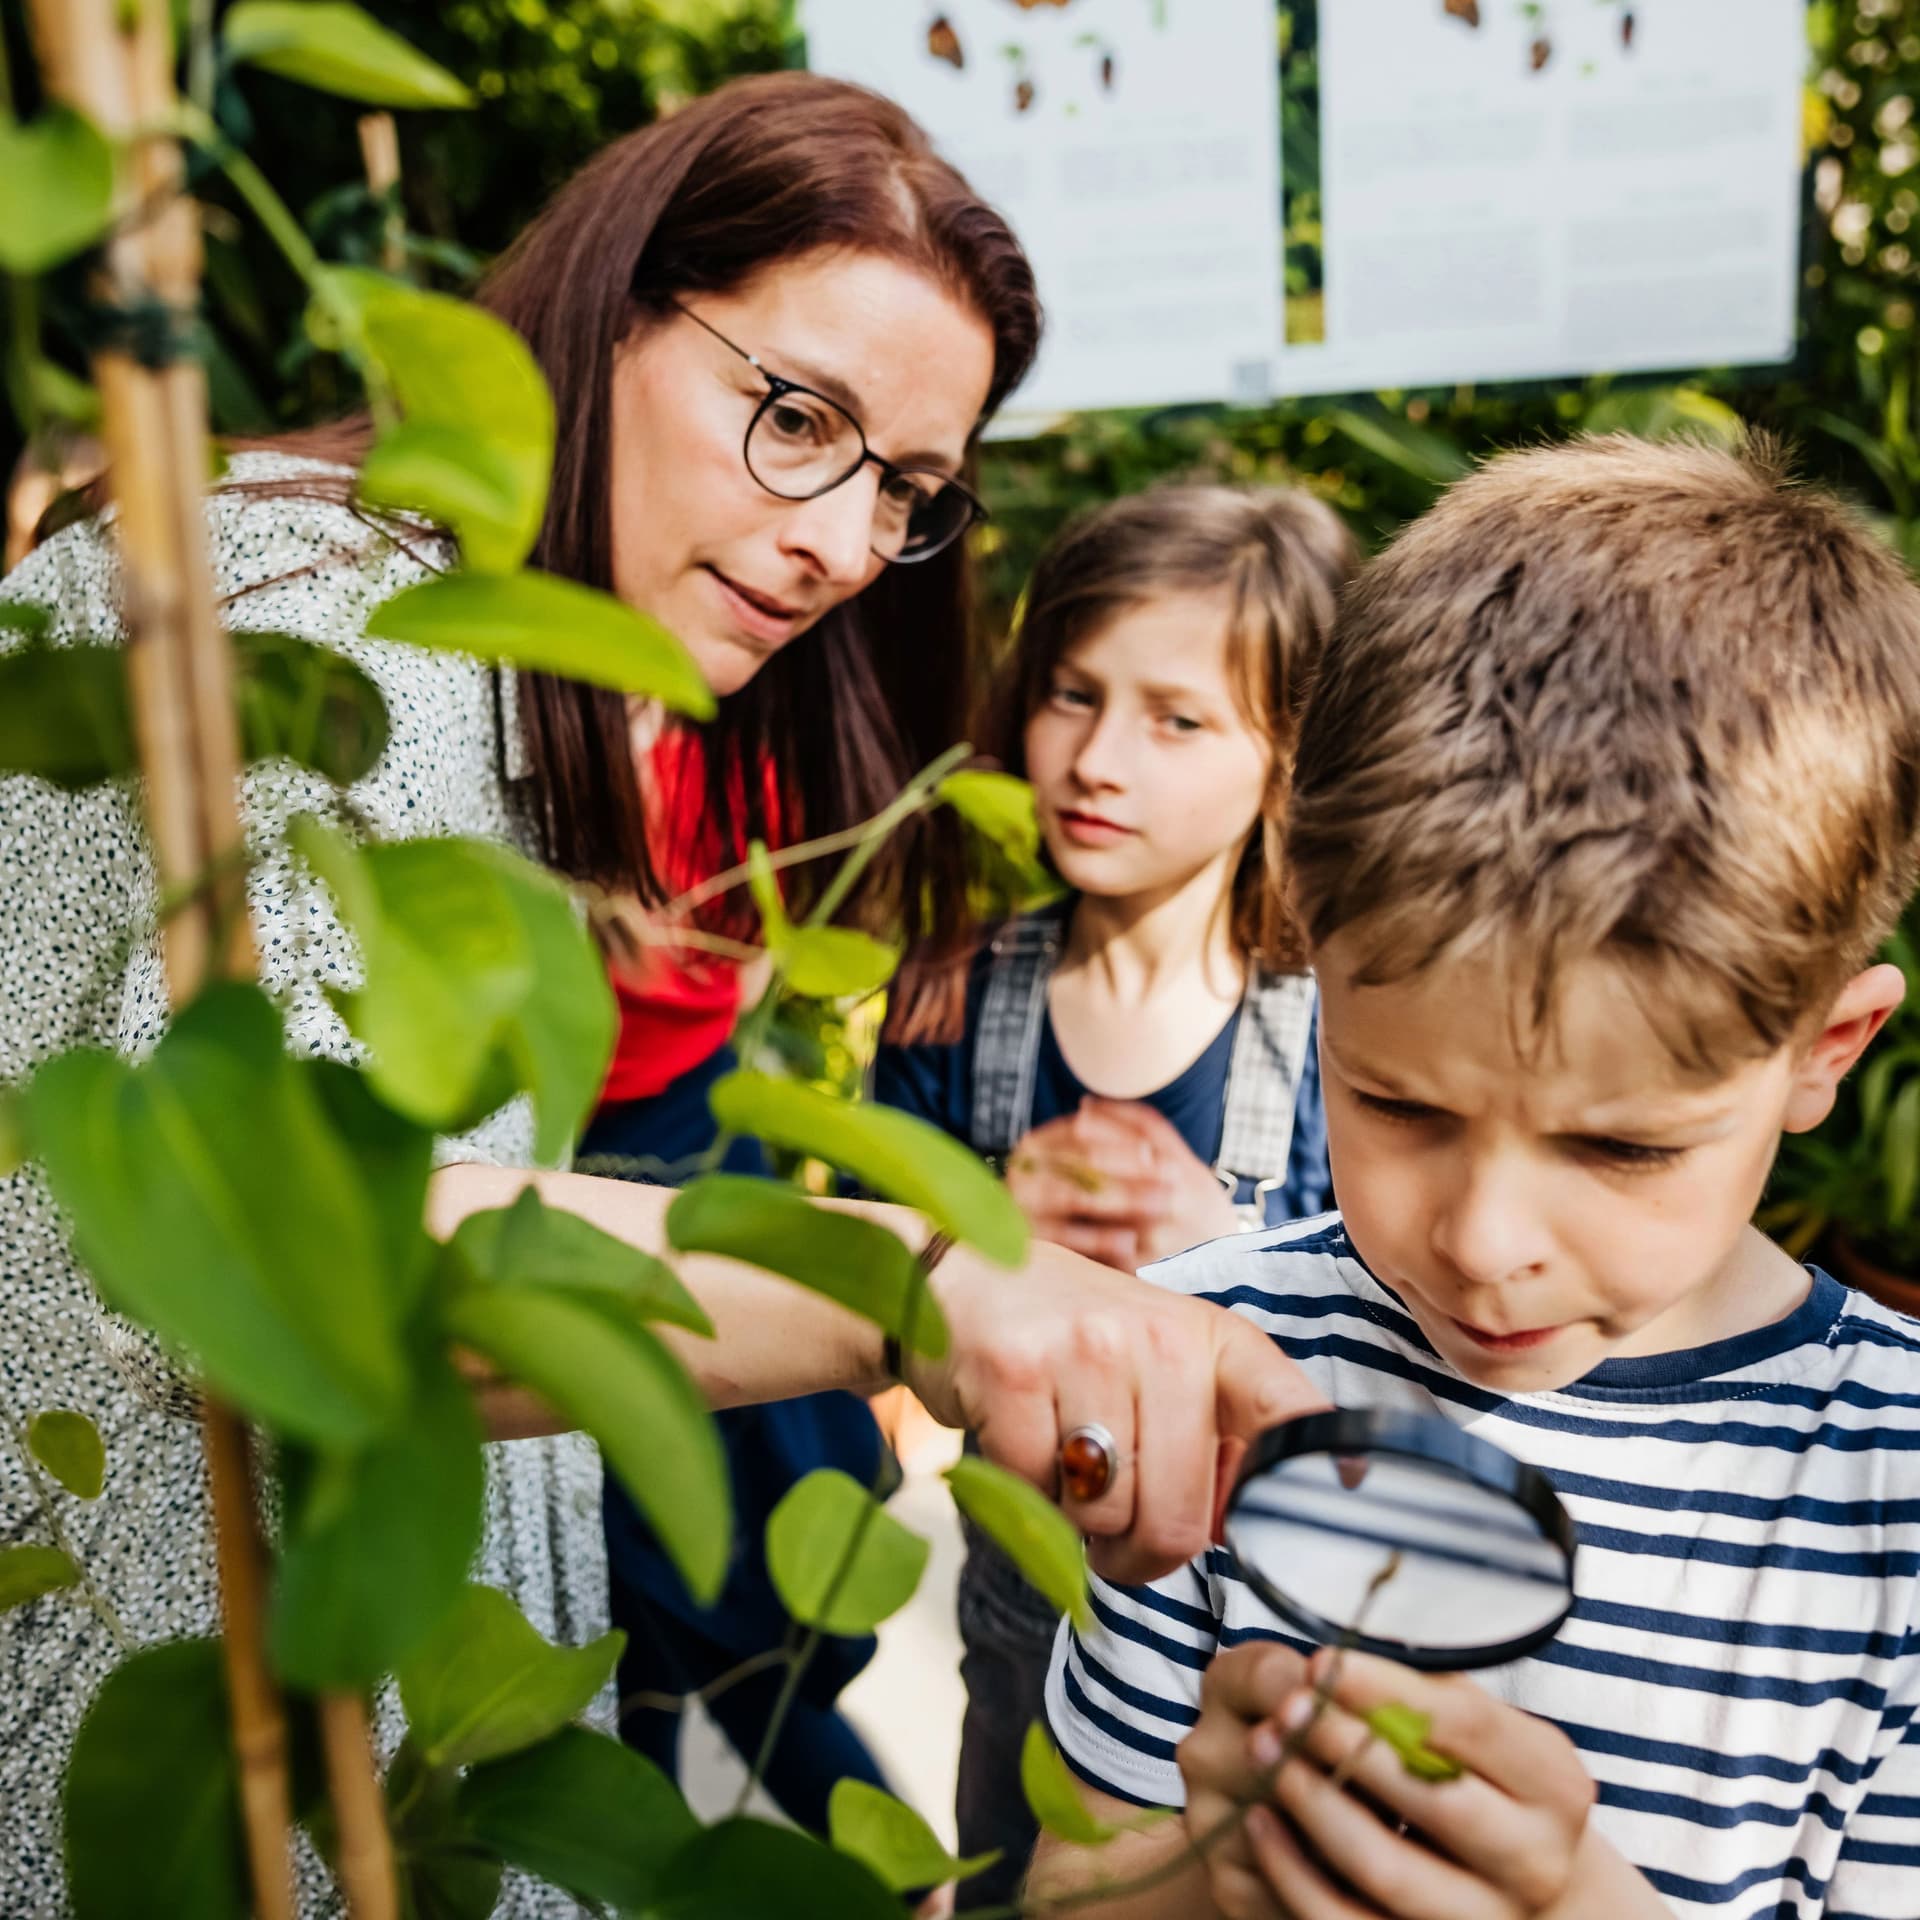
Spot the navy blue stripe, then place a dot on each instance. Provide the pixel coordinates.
(1129, 1629)
(1122, 1731)
(1702, 1813)
(1715, 1893)
(1200, 1619)
(1738, 1506)
(1742, 1553)
(1086, 1773)
(1138, 1697)
(1891, 1806)
(1740, 1633)
(1843, 1770)
(1875, 1853)
(1732, 1686)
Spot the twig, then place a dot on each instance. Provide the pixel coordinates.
(50, 1513)
(647, 1701)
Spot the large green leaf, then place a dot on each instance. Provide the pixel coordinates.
(997, 806)
(889, 1837)
(833, 963)
(809, 1535)
(28, 1571)
(486, 1684)
(59, 175)
(64, 715)
(378, 1546)
(545, 624)
(475, 448)
(13, 1136)
(212, 1197)
(310, 703)
(480, 980)
(532, 1245)
(854, 1261)
(152, 1809)
(443, 1873)
(1054, 1795)
(338, 49)
(581, 1812)
(891, 1154)
(1028, 1528)
(1416, 451)
(744, 1868)
(69, 1446)
(614, 1378)
(1900, 1152)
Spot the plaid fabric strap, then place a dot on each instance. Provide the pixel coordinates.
(1006, 1045)
(1269, 1051)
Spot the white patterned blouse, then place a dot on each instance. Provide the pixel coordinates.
(79, 963)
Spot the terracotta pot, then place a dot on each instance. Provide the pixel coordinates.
(1897, 1290)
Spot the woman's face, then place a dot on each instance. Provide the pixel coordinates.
(698, 543)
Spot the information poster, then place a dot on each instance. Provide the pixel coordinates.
(1131, 145)
(1227, 201)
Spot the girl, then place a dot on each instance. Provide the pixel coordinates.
(1141, 1055)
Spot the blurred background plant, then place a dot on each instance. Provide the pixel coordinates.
(556, 79)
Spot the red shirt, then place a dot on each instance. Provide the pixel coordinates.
(676, 1008)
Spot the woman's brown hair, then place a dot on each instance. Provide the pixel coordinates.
(763, 170)
(1277, 560)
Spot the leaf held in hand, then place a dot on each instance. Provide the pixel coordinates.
(1405, 1730)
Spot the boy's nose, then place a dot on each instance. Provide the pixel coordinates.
(1485, 1228)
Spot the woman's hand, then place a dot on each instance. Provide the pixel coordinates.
(1505, 1840)
(1116, 1182)
(1058, 1343)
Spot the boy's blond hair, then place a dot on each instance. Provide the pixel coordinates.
(1652, 703)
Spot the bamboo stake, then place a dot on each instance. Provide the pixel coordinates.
(380, 155)
(112, 60)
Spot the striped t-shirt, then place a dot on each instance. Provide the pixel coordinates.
(1741, 1670)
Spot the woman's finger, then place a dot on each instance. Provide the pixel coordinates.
(1095, 1388)
(1398, 1875)
(1303, 1889)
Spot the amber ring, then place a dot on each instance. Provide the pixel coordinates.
(1089, 1459)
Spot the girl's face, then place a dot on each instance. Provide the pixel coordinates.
(733, 570)
(1144, 768)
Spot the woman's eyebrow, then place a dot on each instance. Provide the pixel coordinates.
(835, 389)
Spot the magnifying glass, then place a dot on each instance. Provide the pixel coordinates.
(1401, 1535)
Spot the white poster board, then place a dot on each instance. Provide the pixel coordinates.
(1629, 203)
(1507, 191)
(1131, 145)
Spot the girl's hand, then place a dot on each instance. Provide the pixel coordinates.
(1195, 1206)
(1087, 1181)
(1500, 1842)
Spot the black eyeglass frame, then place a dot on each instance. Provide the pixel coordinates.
(778, 387)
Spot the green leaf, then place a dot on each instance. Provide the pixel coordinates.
(13, 1138)
(617, 1381)
(889, 1837)
(374, 1563)
(486, 1684)
(26, 617)
(809, 1537)
(337, 49)
(213, 1198)
(480, 980)
(1028, 1528)
(152, 1808)
(581, 1812)
(1900, 1152)
(69, 1446)
(1405, 1730)
(443, 1873)
(743, 1867)
(997, 806)
(854, 1261)
(64, 715)
(891, 1154)
(532, 1245)
(1053, 1793)
(309, 703)
(1658, 413)
(1419, 452)
(475, 449)
(545, 624)
(830, 963)
(765, 888)
(26, 1572)
(59, 175)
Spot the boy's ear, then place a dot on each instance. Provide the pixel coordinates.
(1858, 1012)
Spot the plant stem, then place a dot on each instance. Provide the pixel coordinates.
(646, 1701)
(50, 1513)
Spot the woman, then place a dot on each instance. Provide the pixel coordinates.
(789, 224)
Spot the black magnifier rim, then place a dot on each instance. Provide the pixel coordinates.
(1436, 1441)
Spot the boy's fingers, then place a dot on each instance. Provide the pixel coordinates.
(1398, 1875)
(1251, 1682)
(1524, 1757)
(1303, 1890)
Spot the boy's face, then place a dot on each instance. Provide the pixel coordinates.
(1540, 1215)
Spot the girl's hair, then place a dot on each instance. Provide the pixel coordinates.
(1277, 560)
(764, 170)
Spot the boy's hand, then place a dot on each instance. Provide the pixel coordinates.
(1498, 1843)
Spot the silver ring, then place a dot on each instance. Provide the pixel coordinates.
(1089, 1460)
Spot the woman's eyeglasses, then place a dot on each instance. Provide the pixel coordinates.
(799, 445)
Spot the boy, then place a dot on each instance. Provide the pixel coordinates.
(1608, 792)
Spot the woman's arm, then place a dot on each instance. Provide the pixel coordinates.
(1035, 1351)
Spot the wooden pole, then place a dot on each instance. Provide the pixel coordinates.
(380, 155)
(112, 60)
